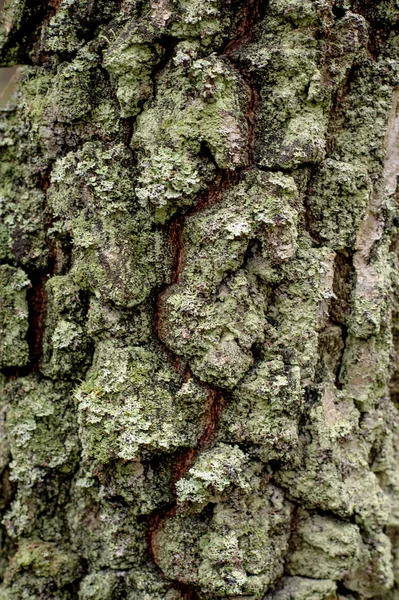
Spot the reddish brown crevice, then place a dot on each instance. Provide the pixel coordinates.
(213, 410)
(53, 7)
(344, 276)
(215, 402)
(60, 256)
(7, 488)
(224, 179)
(153, 526)
(184, 460)
(37, 298)
(253, 12)
(177, 249)
(215, 405)
(308, 217)
(186, 593)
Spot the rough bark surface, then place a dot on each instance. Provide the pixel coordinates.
(199, 305)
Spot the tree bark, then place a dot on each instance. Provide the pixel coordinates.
(199, 300)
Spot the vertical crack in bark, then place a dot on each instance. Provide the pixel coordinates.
(391, 170)
(187, 593)
(177, 247)
(340, 304)
(224, 179)
(253, 13)
(53, 7)
(378, 32)
(37, 299)
(37, 295)
(308, 213)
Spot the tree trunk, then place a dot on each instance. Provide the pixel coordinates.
(199, 285)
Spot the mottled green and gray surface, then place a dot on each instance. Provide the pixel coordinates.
(199, 300)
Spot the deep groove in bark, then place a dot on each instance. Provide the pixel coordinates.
(224, 179)
(254, 12)
(53, 7)
(340, 305)
(308, 214)
(31, 23)
(37, 299)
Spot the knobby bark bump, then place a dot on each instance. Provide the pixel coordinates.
(199, 313)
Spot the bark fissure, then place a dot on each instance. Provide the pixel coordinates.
(225, 178)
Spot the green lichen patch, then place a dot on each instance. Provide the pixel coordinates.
(140, 583)
(372, 573)
(217, 312)
(219, 351)
(261, 207)
(130, 60)
(212, 475)
(332, 471)
(74, 99)
(238, 551)
(116, 253)
(73, 23)
(105, 534)
(303, 588)
(133, 403)
(339, 200)
(72, 90)
(292, 120)
(265, 410)
(363, 375)
(370, 311)
(100, 585)
(66, 347)
(200, 102)
(106, 321)
(268, 129)
(285, 54)
(14, 349)
(22, 236)
(380, 429)
(208, 21)
(49, 564)
(145, 486)
(146, 583)
(41, 429)
(324, 548)
(299, 310)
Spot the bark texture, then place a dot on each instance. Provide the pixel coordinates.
(199, 300)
